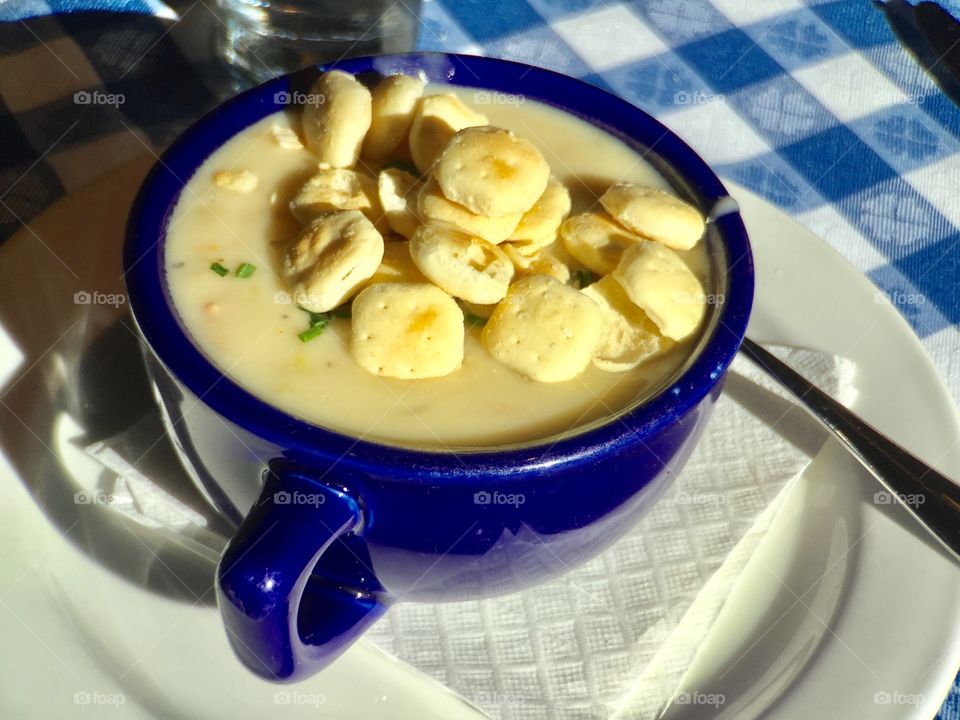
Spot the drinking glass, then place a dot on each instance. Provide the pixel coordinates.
(265, 38)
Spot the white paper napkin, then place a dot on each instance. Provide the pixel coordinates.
(613, 638)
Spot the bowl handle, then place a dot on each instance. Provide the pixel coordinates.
(283, 621)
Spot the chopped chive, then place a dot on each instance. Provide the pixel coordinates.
(317, 318)
(246, 270)
(474, 320)
(219, 269)
(314, 331)
(583, 278)
(344, 311)
(317, 324)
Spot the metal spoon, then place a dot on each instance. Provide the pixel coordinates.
(903, 475)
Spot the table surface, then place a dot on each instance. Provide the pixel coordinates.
(813, 105)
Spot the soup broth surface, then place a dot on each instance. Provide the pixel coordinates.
(249, 329)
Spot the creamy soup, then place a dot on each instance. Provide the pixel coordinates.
(249, 328)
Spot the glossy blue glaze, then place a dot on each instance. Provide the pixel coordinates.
(378, 524)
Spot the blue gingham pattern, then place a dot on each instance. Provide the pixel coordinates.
(24, 9)
(813, 105)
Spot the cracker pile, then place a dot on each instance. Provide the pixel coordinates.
(421, 212)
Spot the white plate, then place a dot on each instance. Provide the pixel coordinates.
(96, 608)
(847, 610)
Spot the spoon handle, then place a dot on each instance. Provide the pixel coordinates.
(933, 499)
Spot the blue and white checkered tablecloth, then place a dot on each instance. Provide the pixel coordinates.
(812, 104)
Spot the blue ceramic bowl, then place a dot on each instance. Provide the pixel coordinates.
(333, 530)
